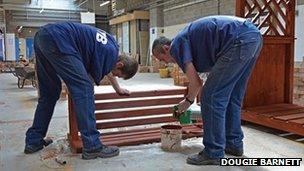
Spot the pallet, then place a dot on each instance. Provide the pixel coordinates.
(134, 119)
(283, 116)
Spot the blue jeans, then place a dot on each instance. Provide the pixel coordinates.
(51, 66)
(223, 93)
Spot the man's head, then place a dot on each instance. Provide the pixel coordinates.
(161, 49)
(126, 67)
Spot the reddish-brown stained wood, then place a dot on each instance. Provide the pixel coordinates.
(136, 139)
(133, 113)
(273, 123)
(266, 85)
(134, 122)
(73, 129)
(148, 93)
(282, 109)
(185, 127)
(283, 113)
(132, 133)
(290, 117)
(137, 103)
(121, 113)
(272, 79)
(240, 8)
(298, 121)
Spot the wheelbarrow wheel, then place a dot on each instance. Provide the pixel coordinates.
(20, 83)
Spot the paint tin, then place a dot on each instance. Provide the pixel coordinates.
(171, 137)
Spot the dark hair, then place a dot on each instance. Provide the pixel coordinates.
(159, 43)
(130, 65)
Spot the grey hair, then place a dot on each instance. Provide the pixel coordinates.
(158, 44)
(130, 65)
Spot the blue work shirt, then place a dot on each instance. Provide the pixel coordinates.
(97, 49)
(204, 40)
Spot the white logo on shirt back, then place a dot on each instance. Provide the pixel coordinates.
(101, 37)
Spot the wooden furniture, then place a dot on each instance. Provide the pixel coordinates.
(134, 119)
(268, 99)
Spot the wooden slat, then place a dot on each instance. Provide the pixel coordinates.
(134, 122)
(250, 8)
(240, 10)
(146, 135)
(290, 117)
(276, 18)
(298, 121)
(274, 123)
(284, 4)
(141, 138)
(137, 103)
(278, 39)
(278, 9)
(184, 127)
(273, 111)
(137, 135)
(147, 93)
(73, 128)
(285, 112)
(133, 141)
(273, 28)
(128, 131)
(148, 138)
(133, 113)
(121, 135)
(272, 107)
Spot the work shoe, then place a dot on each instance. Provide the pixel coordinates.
(29, 149)
(234, 151)
(202, 159)
(103, 152)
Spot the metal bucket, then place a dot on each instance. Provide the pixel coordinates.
(171, 137)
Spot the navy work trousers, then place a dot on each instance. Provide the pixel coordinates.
(51, 66)
(224, 91)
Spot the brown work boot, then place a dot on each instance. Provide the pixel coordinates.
(102, 152)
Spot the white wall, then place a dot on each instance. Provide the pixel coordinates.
(10, 47)
(171, 31)
(125, 37)
(299, 34)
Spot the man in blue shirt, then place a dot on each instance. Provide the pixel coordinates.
(79, 55)
(227, 47)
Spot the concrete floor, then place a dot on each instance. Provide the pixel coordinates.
(16, 113)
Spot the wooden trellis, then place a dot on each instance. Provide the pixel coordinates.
(268, 99)
(270, 16)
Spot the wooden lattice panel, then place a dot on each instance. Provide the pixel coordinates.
(270, 16)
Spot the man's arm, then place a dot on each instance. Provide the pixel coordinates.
(193, 87)
(115, 85)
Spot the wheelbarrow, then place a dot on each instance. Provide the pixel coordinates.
(25, 73)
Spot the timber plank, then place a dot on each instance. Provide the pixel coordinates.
(147, 93)
(137, 103)
(133, 112)
(134, 122)
(290, 117)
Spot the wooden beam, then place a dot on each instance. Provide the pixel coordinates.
(143, 15)
(137, 103)
(146, 93)
(134, 122)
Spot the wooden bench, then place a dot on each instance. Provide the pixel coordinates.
(134, 119)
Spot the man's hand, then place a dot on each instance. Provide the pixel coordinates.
(183, 106)
(123, 92)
